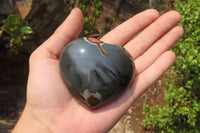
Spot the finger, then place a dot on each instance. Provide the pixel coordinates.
(150, 75)
(66, 32)
(124, 32)
(163, 44)
(156, 30)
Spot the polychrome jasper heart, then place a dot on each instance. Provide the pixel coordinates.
(95, 72)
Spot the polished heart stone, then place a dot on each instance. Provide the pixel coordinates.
(95, 72)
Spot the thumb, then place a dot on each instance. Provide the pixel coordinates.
(65, 33)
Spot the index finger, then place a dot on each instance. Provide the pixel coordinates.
(124, 32)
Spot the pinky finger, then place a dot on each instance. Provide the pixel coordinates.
(151, 74)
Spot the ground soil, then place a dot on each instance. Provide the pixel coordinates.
(131, 121)
(14, 73)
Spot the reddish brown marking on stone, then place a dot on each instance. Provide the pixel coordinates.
(94, 40)
(92, 100)
(98, 42)
(102, 51)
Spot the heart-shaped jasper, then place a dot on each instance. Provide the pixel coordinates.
(95, 72)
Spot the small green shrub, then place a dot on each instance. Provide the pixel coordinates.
(17, 29)
(181, 113)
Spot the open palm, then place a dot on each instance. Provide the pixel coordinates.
(49, 102)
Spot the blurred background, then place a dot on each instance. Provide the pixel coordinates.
(172, 104)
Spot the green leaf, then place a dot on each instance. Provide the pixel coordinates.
(98, 4)
(26, 30)
(86, 19)
(17, 41)
(96, 13)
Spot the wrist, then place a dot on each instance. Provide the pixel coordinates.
(29, 124)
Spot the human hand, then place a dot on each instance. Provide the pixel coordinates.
(51, 108)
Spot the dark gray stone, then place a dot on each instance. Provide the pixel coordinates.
(95, 73)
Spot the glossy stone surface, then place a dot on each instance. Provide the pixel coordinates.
(95, 72)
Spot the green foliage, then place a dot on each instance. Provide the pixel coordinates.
(17, 29)
(181, 113)
(91, 12)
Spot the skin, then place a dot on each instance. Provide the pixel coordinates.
(51, 108)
